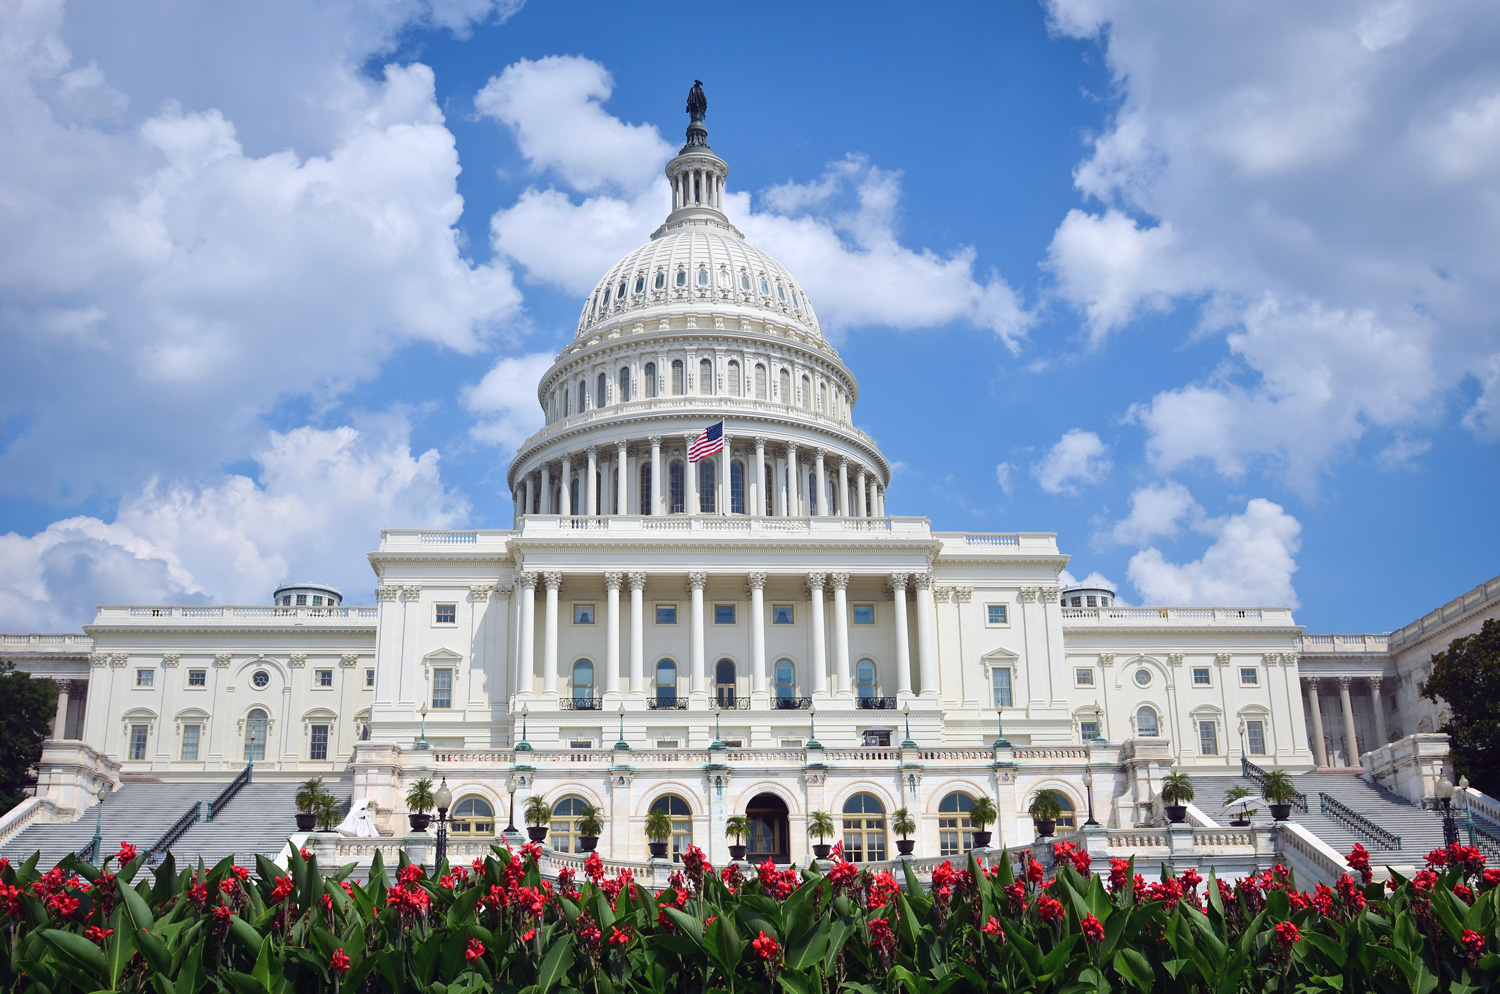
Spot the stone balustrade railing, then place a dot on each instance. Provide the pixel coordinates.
(864, 755)
(52, 642)
(1177, 616)
(201, 613)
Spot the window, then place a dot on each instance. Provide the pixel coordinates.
(370, 678)
(864, 673)
(1092, 601)
(864, 829)
(583, 395)
(812, 494)
(765, 287)
(1255, 737)
(624, 384)
(661, 280)
(682, 822)
(822, 398)
(955, 832)
(1088, 731)
(783, 614)
(1208, 738)
(786, 681)
(301, 600)
(190, 735)
(668, 744)
(681, 277)
(784, 387)
(791, 743)
(736, 487)
(472, 816)
(770, 491)
(145, 678)
(876, 737)
(806, 397)
(138, 741)
(442, 688)
(1249, 676)
(1066, 819)
(1083, 677)
(1143, 677)
(197, 678)
(864, 614)
(566, 814)
(580, 743)
(734, 378)
(744, 280)
(323, 678)
(646, 488)
(317, 600)
(702, 276)
(677, 377)
(583, 684)
(1201, 677)
(723, 614)
(724, 683)
(666, 683)
(1145, 723)
(574, 506)
(1000, 683)
(650, 380)
(260, 679)
(256, 725)
(287, 601)
(601, 391)
(583, 614)
(447, 614)
(708, 475)
(318, 743)
(666, 614)
(677, 488)
(995, 614)
(760, 381)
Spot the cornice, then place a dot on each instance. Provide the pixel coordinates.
(197, 627)
(1290, 631)
(535, 545)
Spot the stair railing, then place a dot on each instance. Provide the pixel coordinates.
(217, 805)
(1252, 772)
(88, 852)
(1333, 808)
(189, 818)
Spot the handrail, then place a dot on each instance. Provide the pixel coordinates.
(1252, 772)
(217, 805)
(1338, 811)
(179, 828)
(88, 852)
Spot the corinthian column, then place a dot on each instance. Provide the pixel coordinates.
(1380, 733)
(843, 507)
(927, 662)
(757, 633)
(1315, 712)
(696, 664)
(755, 497)
(822, 502)
(840, 632)
(622, 478)
(526, 658)
(859, 494)
(794, 483)
(565, 501)
(815, 583)
(553, 581)
(903, 638)
(658, 485)
(1351, 743)
(591, 482)
(637, 633)
(612, 635)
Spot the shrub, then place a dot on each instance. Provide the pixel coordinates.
(902, 823)
(982, 814)
(1277, 787)
(820, 826)
(658, 826)
(1044, 807)
(737, 827)
(537, 811)
(589, 822)
(419, 797)
(1177, 788)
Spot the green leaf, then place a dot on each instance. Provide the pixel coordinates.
(809, 950)
(1134, 967)
(798, 983)
(691, 927)
(1330, 949)
(556, 963)
(80, 950)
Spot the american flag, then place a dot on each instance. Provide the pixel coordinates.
(706, 444)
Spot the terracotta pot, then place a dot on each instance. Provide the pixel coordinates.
(306, 822)
(822, 851)
(537, 833)
(588, 843)
(1044, 828)
(1176, 813)
(419, 823)
(658, 850)
(1281, 812)
(982, 840)
(905, 846)
(737, 853)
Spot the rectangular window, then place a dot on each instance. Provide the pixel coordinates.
(190, 741)
(1088, 731)
(782, 614)
(197, 678)
(301, 600)
(145, 678)
(137, 741)
(1249, 676)
(583, 614)
(864, 614)
(447, 614)
(1093, 601)
(442, 688)
(1083, 678)
(317, 600)
(1200, 677)
(791, 743)
(580, 743)
(1255, 736)
(874, 737)
(318, 745)
(1000, 680)
(667, 744)
(666, 614)
(323, 678)
(1208, 738)
(723, 614)
(995, 614)
(369, 678)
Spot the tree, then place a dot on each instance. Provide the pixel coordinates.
(1467, 679)
(27, 707)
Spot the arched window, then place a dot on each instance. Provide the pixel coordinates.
(705, 376)
(760, 381)
(806, 399)
(770, 491)
(833, 502)
(646, 488)
(736, 487)
(640, 284)
(650, 380)
(864, 829)
(583, 395)
(784, 387)
(583, 684)
(606, 298)
(955, 832)
(786, 683)
(473, 816)
(661, 280)
(676, 492)
(864, 673)
(624, 384)
(682, 277)
(702, 276)
(666, 683)
(734, 378)
(620, 293)
(682, 822)
(574, 506)
(567, 397)
(1067, 819)
(1145, 722)
(724, 684)
(707, 474)
(257, 722)
(565, 816)
(812, 494)
(676, 377)
(601, 391)
(744, 281)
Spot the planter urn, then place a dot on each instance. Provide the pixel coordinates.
(537, 833)
(1176, 813)
(982, 839)
(1044, 828)
(905, 846)
(1281, 812)
(658, 850)
(822, 851)
(737, 853)
(306, 822)
(588, 843)
(419, 823)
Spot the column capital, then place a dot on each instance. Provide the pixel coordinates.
(528, 579)
(1374, 682)
(760, 441)
(349, 660)
(387, 592)
(169, 660)
(843, 462)
(1344, 682)
(637, 580)
(1029, 594)
(612, 580)
(820, 453)
(922, 581)
(965, 594)
(553, 579)
(480, 592)
(756, 581)
(504, 589)
(593, 451)
(1310, 684)
(221, 660)
(1224, 658)
(297, 660)
(791, 450)
(1176, 658)
(1048, 595)
(655, 441)
(697, 580)
(567, 460)
(1106, 659)
(839, 581)
(859, 469)
(815, 581)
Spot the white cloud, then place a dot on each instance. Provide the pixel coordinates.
(1402, 453)
(1156, 510)
(1002, 477)
(505, 400)
(1250, 563)
(1078, 457)
(1094, 579)
(320, 499)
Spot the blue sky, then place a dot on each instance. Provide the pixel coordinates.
(1207, 290)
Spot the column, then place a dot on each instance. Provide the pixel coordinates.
(1375, 702)
(637, 632)
(658, 485)
(565, 498)
(793, 487)
(759, 508)
(1315, 711)
(526, 658)
(844, 488)
(840, 631)
(815, 583)
(546, 496)
(591, 483)
(927, 663)
(689, 479)
(1351, 743)
(696, 582)
(859, 494)
(549, 636)
(526, 495)
(726, 458)
(622, 477)
(612, 635)
(903, 638)
(880, 497)
(60, 720)
(822, 500)
(757, 630)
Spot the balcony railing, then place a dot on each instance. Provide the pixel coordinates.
(876, 703)
(581, 703)
(666, 703)
(791, 703)
(729, 702)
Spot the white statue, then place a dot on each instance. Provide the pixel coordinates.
(360, 822)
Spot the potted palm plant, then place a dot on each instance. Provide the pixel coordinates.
(1044, 810)
(307, 799)
(1176, 792)
(903, 824)
(589, 827)
(420, 801)
(538, 813)
(982, 815)
(820, 826)
(329, 811)
(658, 831)
(1236, 798)
(737, 827)
(1279, 791)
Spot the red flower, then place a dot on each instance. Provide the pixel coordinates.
(883, 938)
(1034, 872)
(1359, 859)
(340, 961)
(1492, 878)
(228, 884)
(528, 935)
(1464, 892)
(1049, 909)
(305, 852)
(992, 928)
(1287, 934)
(1092, 930)
(126, 854)
(222, 916)
(593, 867)
(242, 872)
(1473, 944)
(410, 874)
(765, 947)
(1119, 873)
(98, 935)
(618, 936)
(474, 950)
(282, 890)
(1425, 880)
(327, 902)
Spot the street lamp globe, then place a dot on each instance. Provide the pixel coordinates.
(1445, 788)
(444, 796)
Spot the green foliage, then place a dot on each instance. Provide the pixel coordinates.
(982, 814)
(737, 827)
(1044, 807)
(820, 826)
(329, 811)
(537, 811)
(25, 722)
(1177, 788)
(1467, 679)
(1277, 787)
(1239, 792)
(903, 823)
(658, 826)
(420, 798)
(590, 821)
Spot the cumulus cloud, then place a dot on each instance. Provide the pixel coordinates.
(1094, 579)
(1002, 477)
(505, 400)
(1250, 563)
(1079, 457)
(1156, 510)
(314, 509)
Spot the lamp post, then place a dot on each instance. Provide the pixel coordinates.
(718, 742)
(99, 825)
(1463, 787)
(1088, 786)
(812, 728)
(421, 742)
(908, 744)
(444, 799)
(510, 822)
(523, 744)
(1000, 740)
(622, 744)
(1445, 805)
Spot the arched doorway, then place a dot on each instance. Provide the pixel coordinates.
(769, 829)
